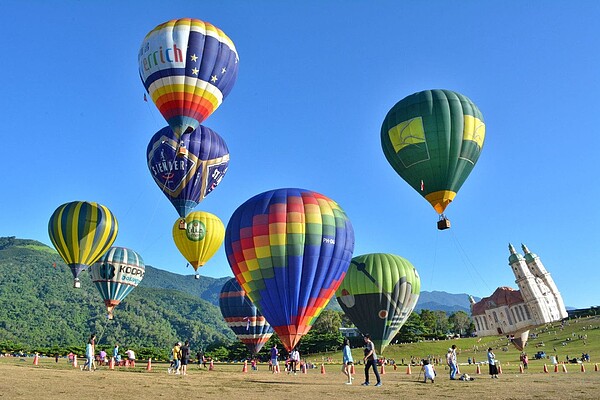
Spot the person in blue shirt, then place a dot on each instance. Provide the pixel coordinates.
(347, 361)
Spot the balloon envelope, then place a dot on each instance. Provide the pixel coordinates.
(81, 232)
(433, 140)
(242, 316)
(378, 294)
(187, 179)
(289, 249)
(199, 238)
(188, 67)
(116, 274)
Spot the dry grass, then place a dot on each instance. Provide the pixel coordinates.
(19, 379)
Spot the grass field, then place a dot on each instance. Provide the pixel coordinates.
(20, 379)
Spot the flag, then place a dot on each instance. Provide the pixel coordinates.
(422, 185)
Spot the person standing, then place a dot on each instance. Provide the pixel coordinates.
(176, 357)
(294, 360)
(89, 353)
(452, 362)
(185, 357)
(347, 361)
(274, 354)
(492, 363)
(370, 360)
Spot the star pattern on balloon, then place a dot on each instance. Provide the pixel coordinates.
(194, 57)
(214, 78)
(223, 70)
(195, 71)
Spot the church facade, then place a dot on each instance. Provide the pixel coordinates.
(513, 312)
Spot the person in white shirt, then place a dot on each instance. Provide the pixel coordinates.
(428, 371)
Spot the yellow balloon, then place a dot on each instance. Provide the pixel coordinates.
(198, 236)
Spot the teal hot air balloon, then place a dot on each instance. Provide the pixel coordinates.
(81, 232)
(378, 294)
(116, 274)
(433, 140)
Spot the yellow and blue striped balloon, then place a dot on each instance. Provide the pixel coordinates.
(116, 274)
(81, 232)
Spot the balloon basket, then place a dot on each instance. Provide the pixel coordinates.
(182, 224)
(182, 151)
(76, 284)
(443, 224)
(197, 276)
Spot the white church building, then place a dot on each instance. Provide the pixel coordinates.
(514, 312)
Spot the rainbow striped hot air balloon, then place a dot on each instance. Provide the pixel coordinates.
(289, 249)
(188, 67)
(242, 316)
(81, 232)
(116, 274)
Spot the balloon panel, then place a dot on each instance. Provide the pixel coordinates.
(289, 249)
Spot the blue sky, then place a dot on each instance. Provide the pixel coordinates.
(316, 79)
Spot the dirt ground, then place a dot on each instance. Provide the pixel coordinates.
(19, 379)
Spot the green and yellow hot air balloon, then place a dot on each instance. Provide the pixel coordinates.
(433, 140)
(378, 294)
(82, 232)
(198, 236)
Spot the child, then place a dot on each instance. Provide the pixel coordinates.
(428, 371)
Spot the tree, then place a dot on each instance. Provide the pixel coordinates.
(413, 330)
(460, 322)
(328, 322)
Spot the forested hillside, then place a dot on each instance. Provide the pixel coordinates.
(41, 308)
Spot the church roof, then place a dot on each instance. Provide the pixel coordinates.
(503, 296)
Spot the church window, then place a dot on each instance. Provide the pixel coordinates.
(508, 316)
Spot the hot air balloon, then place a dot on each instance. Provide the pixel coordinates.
(244, 319)
(378, 294)
(188, 67)
(116, 274)
(188, 179)
(198, 237)
(289, 249)
(81, 232)
(433, 140)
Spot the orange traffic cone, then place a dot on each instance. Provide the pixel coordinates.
(457, 369)
(127, 363)
(245, 369)
(596, 367)
(36, 359)
(408, 371)
(564, 368)
(211, 366)
(75, 361)
(520, 369)
(499, 369)
(582, 367)
(323, 369)
(395, 367)
(111, 363)
(149, 366)
(478, 370)
(352, 371)
(545, 368)
(382, 371)
(555, 367)
(303, 368)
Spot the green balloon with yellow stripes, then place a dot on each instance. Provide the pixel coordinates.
(82, 232)
(433, 140)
